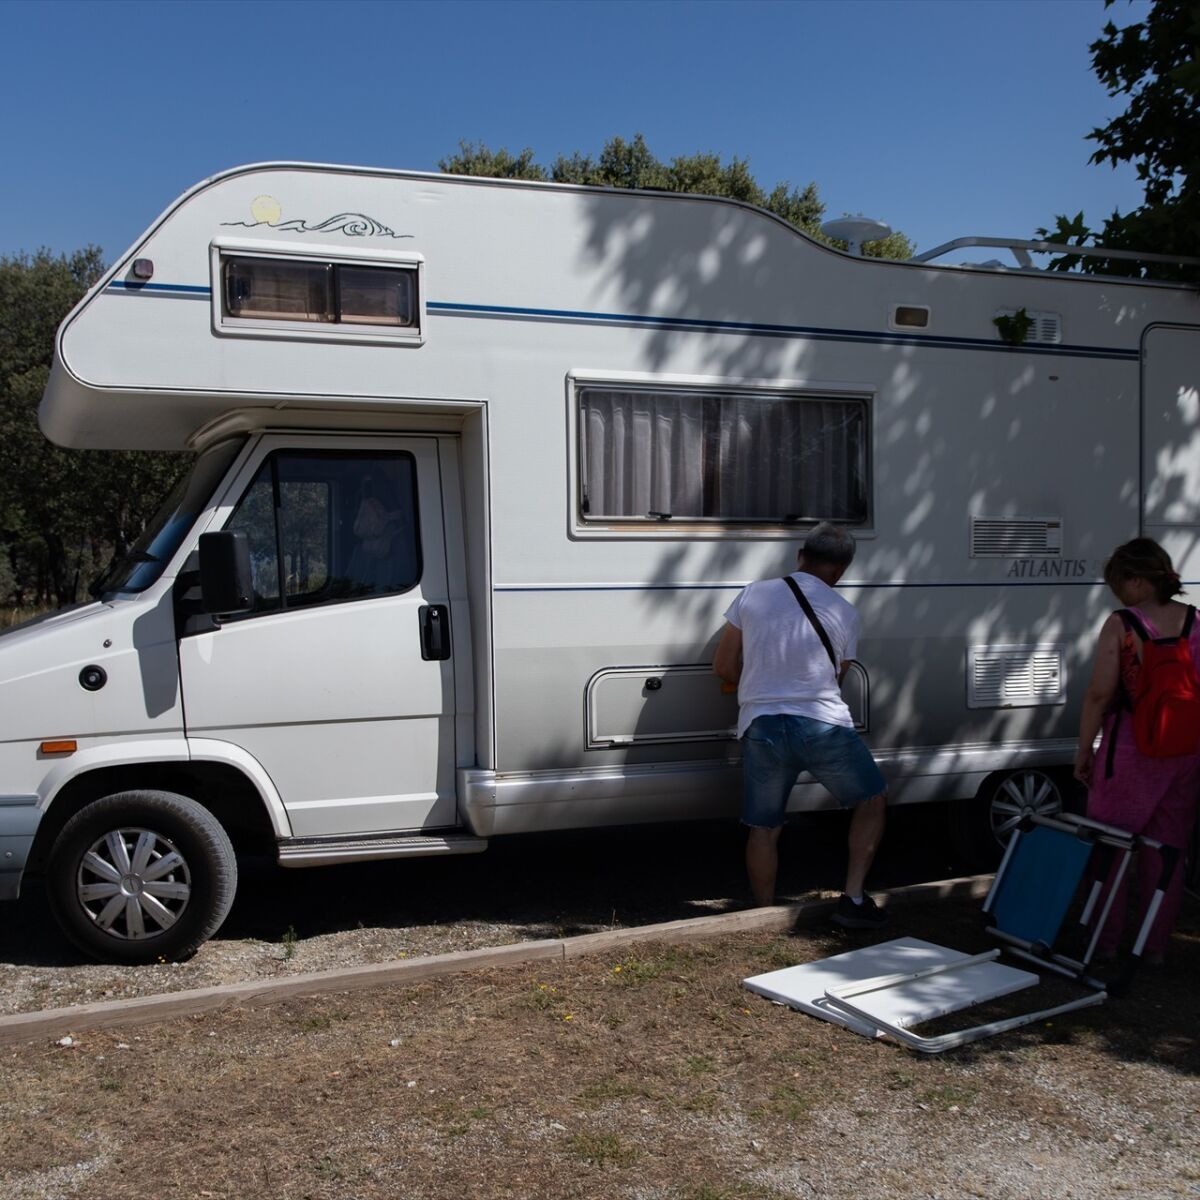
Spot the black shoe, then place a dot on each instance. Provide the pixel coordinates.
(867, 915)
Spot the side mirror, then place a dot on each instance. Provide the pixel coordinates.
(226, 580)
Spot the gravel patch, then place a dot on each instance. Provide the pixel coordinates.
(521, 889)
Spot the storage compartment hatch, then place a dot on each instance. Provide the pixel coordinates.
(628, 706)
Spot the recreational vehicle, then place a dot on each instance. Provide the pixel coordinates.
(479, 466)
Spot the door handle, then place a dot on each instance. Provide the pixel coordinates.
(435, 632)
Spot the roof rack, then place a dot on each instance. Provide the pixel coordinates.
(1022, 249)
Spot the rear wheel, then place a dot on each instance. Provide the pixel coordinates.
(141, 876)
(981, 828)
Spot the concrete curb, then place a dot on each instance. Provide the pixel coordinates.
(141, 1010)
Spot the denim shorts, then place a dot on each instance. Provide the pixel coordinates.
(777, 747)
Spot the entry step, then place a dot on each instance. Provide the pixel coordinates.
(312, 852)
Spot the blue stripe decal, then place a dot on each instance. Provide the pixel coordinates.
(758, 329)
(132, 285)
(787, 331)
(844, 586)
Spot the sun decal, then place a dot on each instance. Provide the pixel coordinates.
(265, 209)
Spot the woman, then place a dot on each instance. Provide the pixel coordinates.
(1152, 796)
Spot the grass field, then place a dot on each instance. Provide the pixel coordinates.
(650, 1074)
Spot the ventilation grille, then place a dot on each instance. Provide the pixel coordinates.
(1046, 328)
(1015, 676)
(1016, 537)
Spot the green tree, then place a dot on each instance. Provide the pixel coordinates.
(62, 512)
(1156, 63)
(631, 164)
(473, 159)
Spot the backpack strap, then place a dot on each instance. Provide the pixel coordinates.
(1112, 744)
(1130, 620)
(1124, 699)
(809, 612)
(1188, 622)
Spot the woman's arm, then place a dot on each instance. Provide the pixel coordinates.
(1106, 678)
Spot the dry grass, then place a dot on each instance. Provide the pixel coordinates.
(652, 1075)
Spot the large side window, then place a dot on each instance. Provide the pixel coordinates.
(327, 526)
(669, 455)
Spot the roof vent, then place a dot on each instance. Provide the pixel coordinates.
(854, 230)
(1016, 537)
(1046, 329)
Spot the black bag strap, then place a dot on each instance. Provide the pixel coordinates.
(802, 600)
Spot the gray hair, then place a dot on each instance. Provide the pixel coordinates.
(829, 543)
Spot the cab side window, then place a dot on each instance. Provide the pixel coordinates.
(330, 526)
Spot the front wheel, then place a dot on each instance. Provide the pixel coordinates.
(141, 877)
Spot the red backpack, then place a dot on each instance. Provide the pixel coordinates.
(1166, 704)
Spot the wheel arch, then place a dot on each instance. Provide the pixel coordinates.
(221, 787)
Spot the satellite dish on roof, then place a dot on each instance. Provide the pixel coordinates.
(855, 230)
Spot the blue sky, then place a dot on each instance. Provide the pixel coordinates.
(941, 117)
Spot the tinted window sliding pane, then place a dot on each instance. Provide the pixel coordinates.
(376, 296)
(278, 290)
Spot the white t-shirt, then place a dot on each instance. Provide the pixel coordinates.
(785, 668)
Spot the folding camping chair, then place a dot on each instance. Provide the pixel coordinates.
(1049, 864)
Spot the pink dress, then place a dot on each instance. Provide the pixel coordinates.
(1153, 796)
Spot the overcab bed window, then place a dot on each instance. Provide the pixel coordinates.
(313, 297)
(266, 288)
(664, 456)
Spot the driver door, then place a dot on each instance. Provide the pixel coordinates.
(340, 682)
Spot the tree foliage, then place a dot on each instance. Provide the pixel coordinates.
(631, 164)
(62, 512)
(1156, 63)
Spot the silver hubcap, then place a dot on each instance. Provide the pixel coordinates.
(1023, 794)
(133, 883)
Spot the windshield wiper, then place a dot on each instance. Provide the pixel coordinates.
(100, 584)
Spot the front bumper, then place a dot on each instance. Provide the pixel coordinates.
(19, 817)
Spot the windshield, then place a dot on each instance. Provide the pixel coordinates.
(144, 563)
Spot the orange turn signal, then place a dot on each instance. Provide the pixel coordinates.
(66, 746)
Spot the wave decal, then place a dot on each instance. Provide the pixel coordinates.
(350, 224)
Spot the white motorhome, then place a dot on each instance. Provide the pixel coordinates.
(479, 466)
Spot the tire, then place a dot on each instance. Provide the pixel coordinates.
(164, 854)
(981, 828)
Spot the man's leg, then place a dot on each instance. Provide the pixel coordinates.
(768, 773)
(762, 864)
(866, 832)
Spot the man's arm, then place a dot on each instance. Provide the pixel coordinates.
(727, 662)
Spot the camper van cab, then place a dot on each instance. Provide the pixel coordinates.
(478, 467)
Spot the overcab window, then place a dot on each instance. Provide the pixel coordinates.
(321, 293)
(671, 455)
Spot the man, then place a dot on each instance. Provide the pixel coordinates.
(792, 718)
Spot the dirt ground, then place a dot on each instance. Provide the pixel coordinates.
(546, 886)
(651, 1075)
